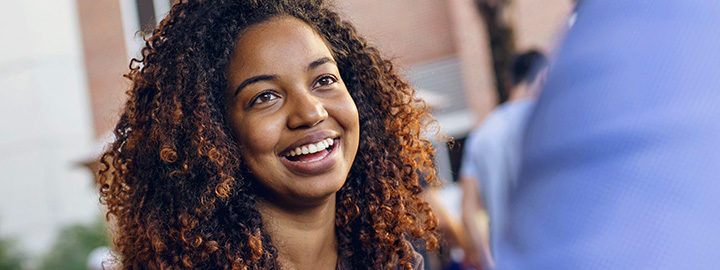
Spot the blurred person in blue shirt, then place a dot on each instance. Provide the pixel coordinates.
(491, 158)
(620, 167)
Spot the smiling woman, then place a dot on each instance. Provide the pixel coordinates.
(291, 96)
(267, 135)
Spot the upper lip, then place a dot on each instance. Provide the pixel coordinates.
(313, 137)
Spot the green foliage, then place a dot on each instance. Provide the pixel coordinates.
(73, 245)
(9, 258)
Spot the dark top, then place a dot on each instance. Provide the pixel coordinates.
(419, 263)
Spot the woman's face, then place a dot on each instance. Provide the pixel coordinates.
(296, 123)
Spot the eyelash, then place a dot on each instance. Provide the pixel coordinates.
(323, 77)
(256, 100)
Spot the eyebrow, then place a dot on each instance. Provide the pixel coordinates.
(260, 78)
(320, 62)
(255, 79)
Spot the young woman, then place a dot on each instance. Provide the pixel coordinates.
(267, 135)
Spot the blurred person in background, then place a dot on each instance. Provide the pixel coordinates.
(267, 135)
(620, 168)
(491, 158)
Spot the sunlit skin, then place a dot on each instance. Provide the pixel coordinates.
(285, 92)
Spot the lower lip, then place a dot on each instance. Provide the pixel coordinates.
(317, 166)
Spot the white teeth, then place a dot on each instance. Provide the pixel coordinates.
(311, 148)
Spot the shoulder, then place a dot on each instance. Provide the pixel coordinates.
(505, 119)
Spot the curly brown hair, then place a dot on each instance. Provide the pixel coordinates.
(174, 181)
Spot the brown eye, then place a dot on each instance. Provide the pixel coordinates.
(325, 80)
(264, 97)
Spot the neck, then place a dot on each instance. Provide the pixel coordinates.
(305, 238)
(519, 92)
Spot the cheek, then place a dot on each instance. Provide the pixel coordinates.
(259, 136)
(254, 143)
(349, 113)
(346, 113)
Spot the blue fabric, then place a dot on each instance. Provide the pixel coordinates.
(621, 165)
(492, 158)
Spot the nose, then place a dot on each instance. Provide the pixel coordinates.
(306, 111)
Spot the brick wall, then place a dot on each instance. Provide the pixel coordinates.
(105, 60)
(413, 31)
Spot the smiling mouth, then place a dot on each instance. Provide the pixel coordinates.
(311, 152)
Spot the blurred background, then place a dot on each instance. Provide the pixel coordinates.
(61, 88)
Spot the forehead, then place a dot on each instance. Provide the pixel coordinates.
(277, 43)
